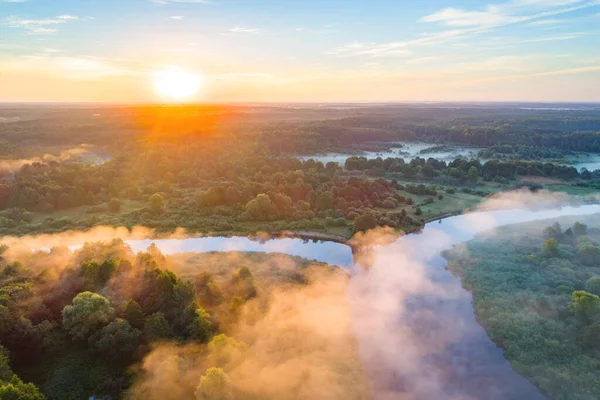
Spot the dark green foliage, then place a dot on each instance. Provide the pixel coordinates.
(365, 222)
(11, 387)
(116, 341)
(134, 314)
(156, 327)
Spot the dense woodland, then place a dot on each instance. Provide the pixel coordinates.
(74, 323)
(535, 290)
(198, 169)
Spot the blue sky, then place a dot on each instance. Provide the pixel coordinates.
(327, 50)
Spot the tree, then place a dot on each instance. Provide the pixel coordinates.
(591, 336)
(261, 207)
(550, 248)
(156, 327)
(593, 285)
(113, 206)
(589, 253)
(116, 340)
(365, 222)
(585, 305)
(214, 385)
(134, 314)
(200, 328)
(157, 203)
(88, 313)
(579, 229)
(16, 389)
(473, 174)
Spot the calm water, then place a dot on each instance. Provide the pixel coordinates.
(408, 152)
(329, 252)
(401, 327)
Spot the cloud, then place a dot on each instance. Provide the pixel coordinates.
(548, 22)
(13, 1)
(371, 49)
(506, 13)
(177, 17)
(455, 17)
(38, 26)
(244, 30)
(67, 17)
(468, 23)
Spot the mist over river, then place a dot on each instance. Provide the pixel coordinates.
(417, 332)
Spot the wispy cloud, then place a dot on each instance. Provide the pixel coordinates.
(38, 26)
(177, 17)
(370, 49)
(67, 17)
(13, 1)
(548, 22)
(506, 13)
(244, 30)
(469, 23)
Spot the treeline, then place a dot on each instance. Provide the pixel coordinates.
(463, 170)
(75, 331)
(523, 152)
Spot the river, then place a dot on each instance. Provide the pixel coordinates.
(416, 327)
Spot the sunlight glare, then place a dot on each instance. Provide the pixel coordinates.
(175, 83)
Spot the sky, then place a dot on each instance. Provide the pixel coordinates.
(302, 50)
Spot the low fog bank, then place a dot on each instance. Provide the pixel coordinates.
(405, 317)
(10, 166)
(415, 325)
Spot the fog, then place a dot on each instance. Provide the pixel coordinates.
(401, 328)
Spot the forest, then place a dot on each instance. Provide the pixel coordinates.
(75, 323)
(200, 169)
(535, 290)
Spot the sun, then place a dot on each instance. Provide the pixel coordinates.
(176, 84)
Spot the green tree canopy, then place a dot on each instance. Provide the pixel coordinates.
(157, 327)
(593, 285)
(116, 340)
(134, 314)
(88, 313)
(550, 248)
